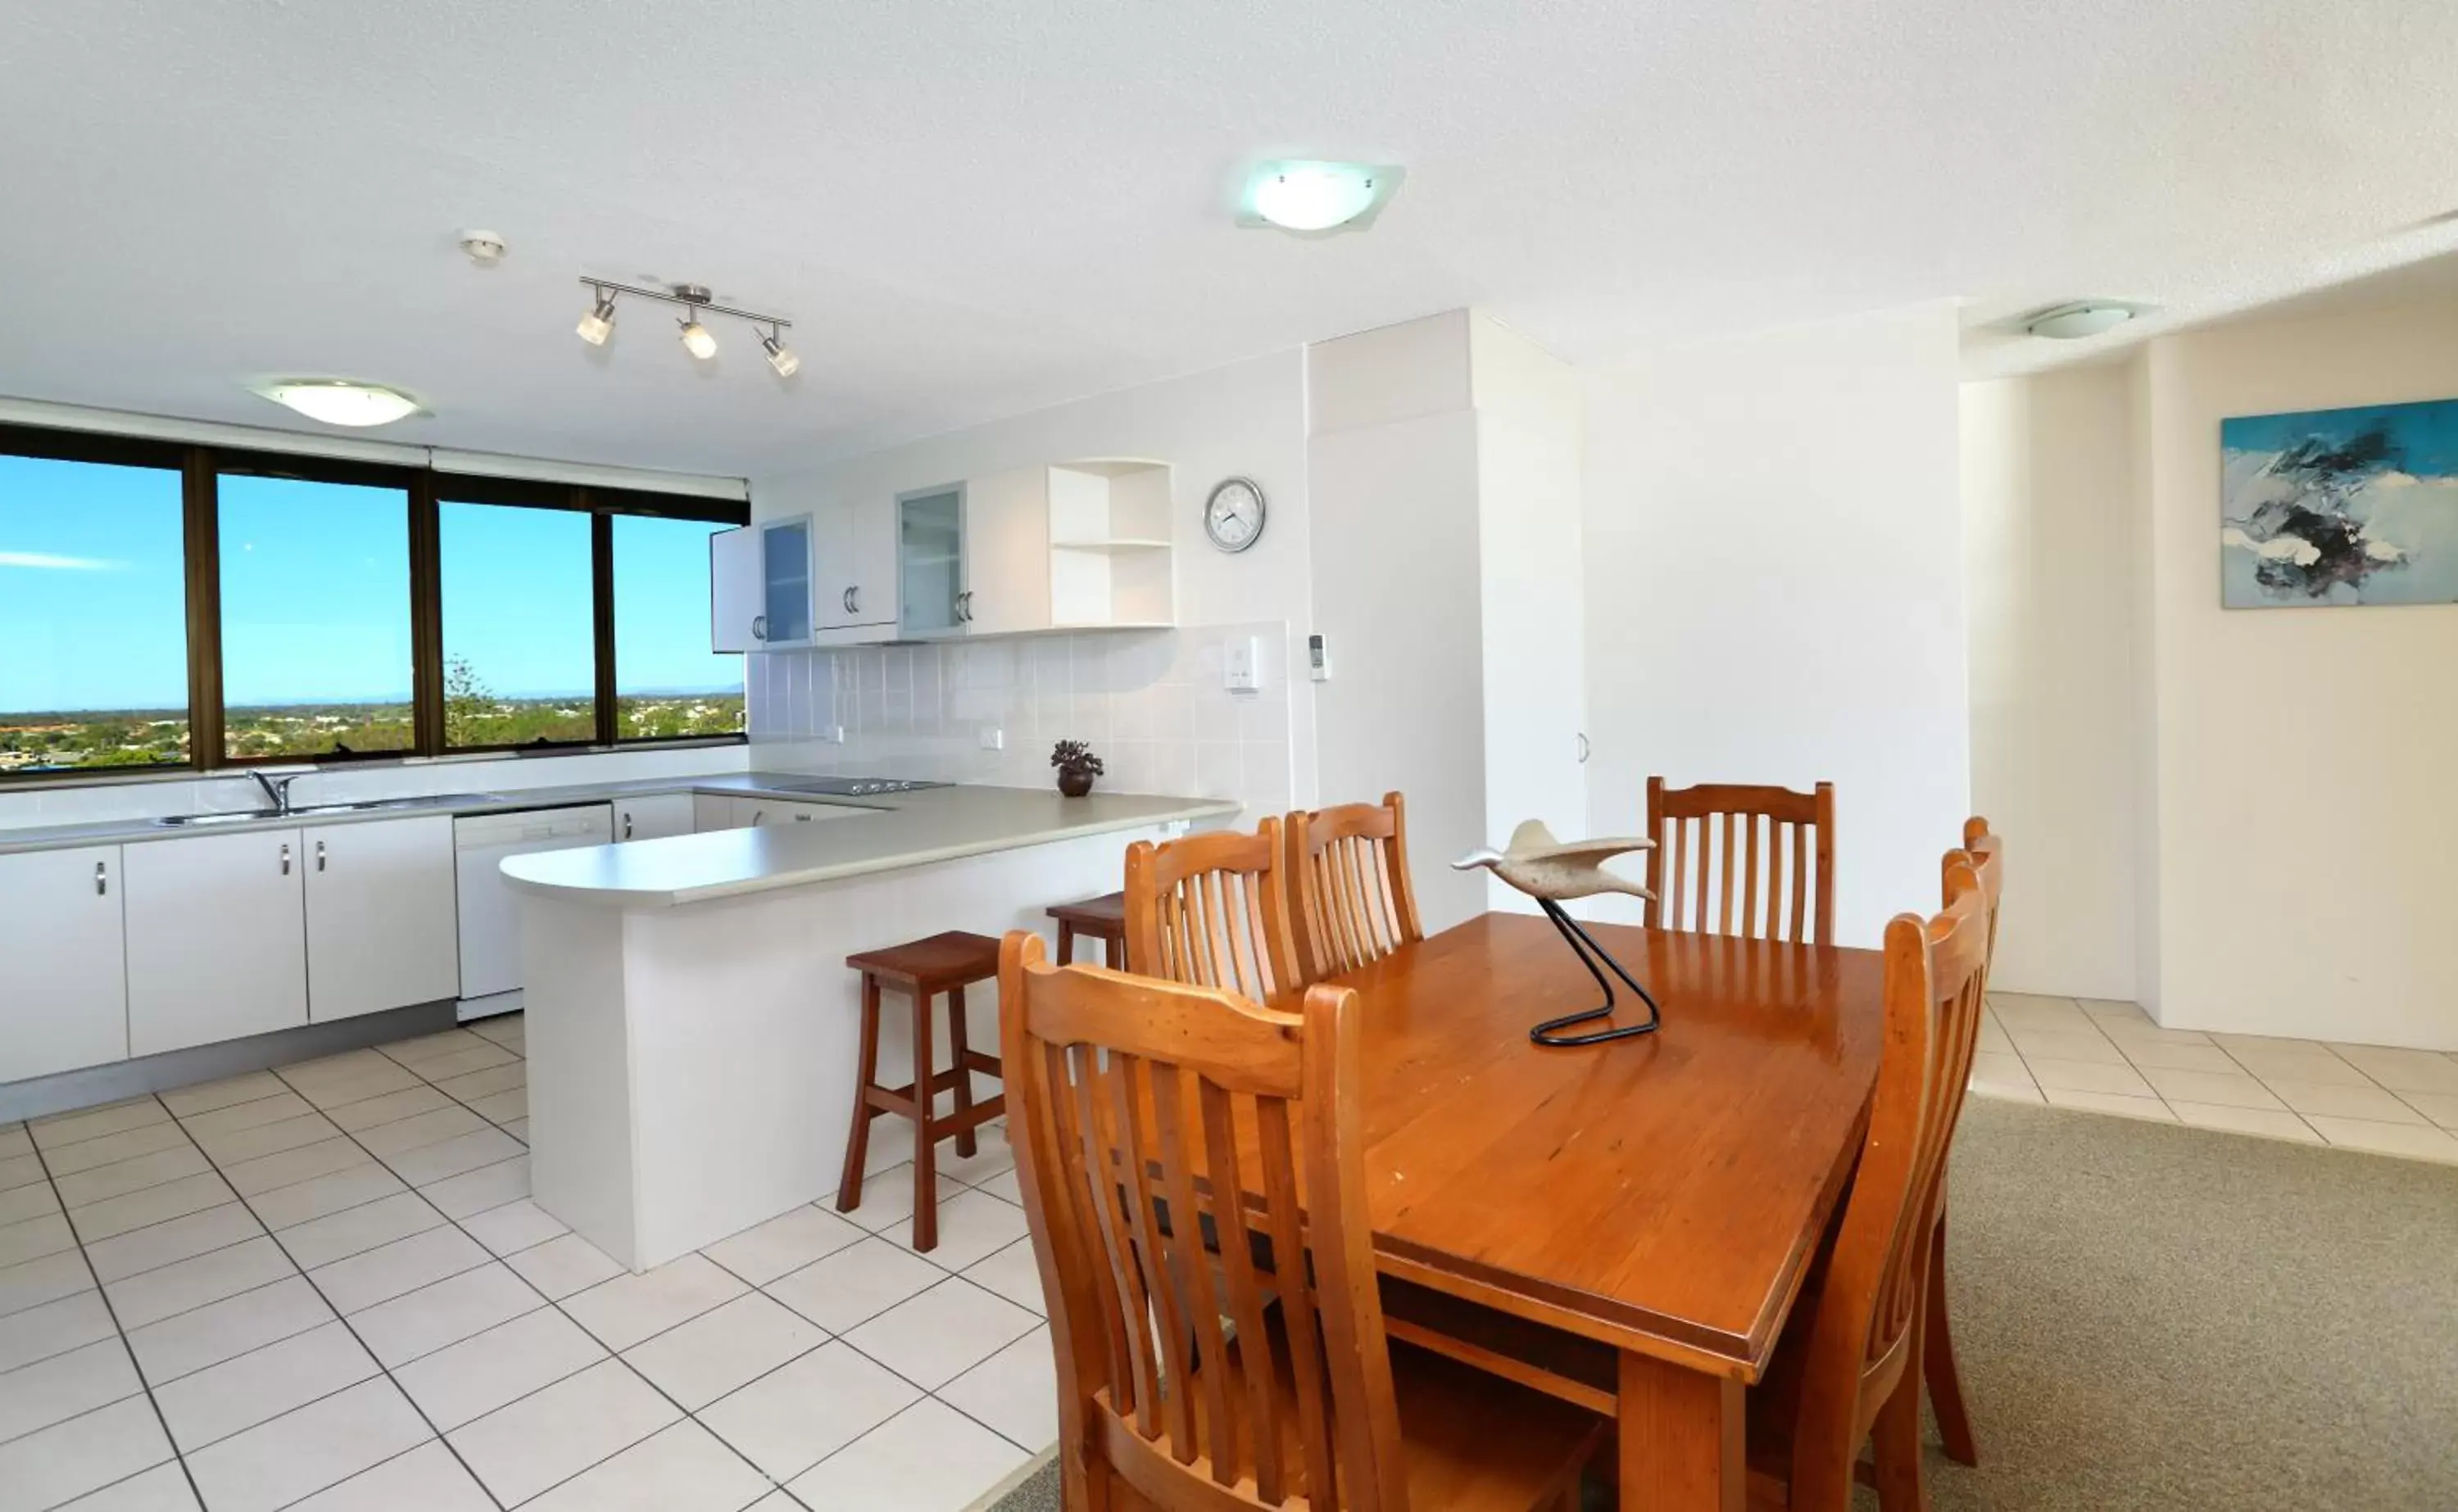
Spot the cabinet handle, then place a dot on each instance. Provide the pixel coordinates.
(758, 627)
(319, 856)
(755, 816)
(1583, 748)
(853, 600)
(965, 606)
(627, 826)
(286, 860)
(101, 877)
(802, 818)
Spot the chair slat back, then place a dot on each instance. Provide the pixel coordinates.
(1350, 898)
(1864, 1334)
(1986, 853)
(1130, 1099)
(1738, 858)
(1212, 911)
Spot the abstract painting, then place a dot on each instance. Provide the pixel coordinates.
(2339, 506)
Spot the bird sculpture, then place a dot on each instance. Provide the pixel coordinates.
(1553, 872)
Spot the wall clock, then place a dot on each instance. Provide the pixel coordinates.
(1233, 517)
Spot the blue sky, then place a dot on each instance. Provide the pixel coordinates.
(316, 594)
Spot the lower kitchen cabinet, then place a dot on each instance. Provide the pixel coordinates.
(749, 812)
(215, 948)
(381, 929)
(63, 974)
(712, 811)
(655, 815)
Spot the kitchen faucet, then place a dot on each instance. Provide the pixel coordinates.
(277, 792)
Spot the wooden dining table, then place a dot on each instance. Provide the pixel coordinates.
(1662, 1196)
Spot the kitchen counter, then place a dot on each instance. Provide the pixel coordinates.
(907, 829)
(116, 832)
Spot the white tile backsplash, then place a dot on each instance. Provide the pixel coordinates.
(1149, 703)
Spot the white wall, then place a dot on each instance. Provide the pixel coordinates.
(1247, 419)
(1774, 587)
(2051, 575)
(2302, 756)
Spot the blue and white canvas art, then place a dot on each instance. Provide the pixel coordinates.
(2334, 506)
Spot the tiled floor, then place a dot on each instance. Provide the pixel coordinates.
(2110, 1058)
(326, 1288)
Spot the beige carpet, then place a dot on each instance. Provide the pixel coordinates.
(2154, 1316)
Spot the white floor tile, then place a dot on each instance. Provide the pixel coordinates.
(887, 1198)
(164, 1488)
(992, 1157)
(2149, 1108)
(2013, 1005)
(54, 1328)
(2233, 1090)
(209, 1334)
(855, 1284)
(2168, 1057)
(1004, 1185)
(273, 1108)
(760, 1255)
(321, 1444)
(1015, 1391)
(2110, 1014)
(14, 1140)
(398, 1268)
(460, 1063)
(932, 1338)
(698, 1361)
(46, 1279)
(172, 1199)
(392, 1107)
(2338, 1100)
(68, 1129)
(366, 1081)
(624, 1310)
(465, 1381)
(2442, 1108)
(503, 1107)
(355, 1230)
(684, 1468)
(513, 1227)
(505, 1029)
(153, 1295)
(85, 1154)
(403, 1135)
(288, 1207)
(261, 1385)
(449, 1311)
(35, 1199)
(2419, 1140)
(1014, 1273)
(429, 1048)
(54, 1390)
(2289, 1060)
(22, 1170)
(2086, 1076)
(972, 1224)
(518, 1129)
(2405, 1070)
(2085, 1044)
(290, 1168)
(563, 1266)
(229, 1092)
(929, 1458)
(33, 1239)
(2268, 1122)
(551, 1435)
(477, 1191)
(268, 1139)
(487, 1082)
(453, 1157)
(84, 1454)
(891, 1145)
(1993, 1073)
(793, 1418)
(429, 1478)
(178, 1240)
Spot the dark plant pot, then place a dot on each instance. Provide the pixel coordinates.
(1074, 782)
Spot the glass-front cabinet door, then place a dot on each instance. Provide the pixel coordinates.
(785, 582)
(930, 560)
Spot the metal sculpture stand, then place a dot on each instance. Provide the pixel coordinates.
(1590, 954)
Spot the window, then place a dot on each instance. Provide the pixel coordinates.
(315, 617)
(93, 615)
(667, 682)
(520, 640)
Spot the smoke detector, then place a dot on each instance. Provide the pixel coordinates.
(484, 247)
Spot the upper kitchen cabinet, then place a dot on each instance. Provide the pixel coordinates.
(1081, 545)
(930, 540)
(785, 582)
(735, 599)
(1006, 553)
(1109, 558)
(854, 582)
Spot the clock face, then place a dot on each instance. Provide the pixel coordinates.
(1233, 517)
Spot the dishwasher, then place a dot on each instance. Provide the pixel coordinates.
(491, 912)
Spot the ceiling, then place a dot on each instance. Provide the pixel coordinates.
(973, 210)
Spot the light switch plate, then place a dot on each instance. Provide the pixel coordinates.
(993, 738)
(832, 734)
(1241, 664)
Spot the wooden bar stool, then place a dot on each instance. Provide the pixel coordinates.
(1103, 918)
(922, 969)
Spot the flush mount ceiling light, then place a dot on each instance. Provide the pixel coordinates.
(2072, 322)
(697, 339)
(1317, 199)
(339, 402)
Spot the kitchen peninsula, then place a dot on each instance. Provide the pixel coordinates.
(692, 1026)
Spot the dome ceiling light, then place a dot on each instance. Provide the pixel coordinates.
(341, 401)
(2080, 318)
(1310, 198)
(598, 324)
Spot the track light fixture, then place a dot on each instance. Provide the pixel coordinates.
(599, 322)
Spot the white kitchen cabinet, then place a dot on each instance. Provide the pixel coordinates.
(63, 974)
(653, 816)
(381, 927)
(750, 811)
(930, 543)
(1005, 558)
(712, 811)
(735, 593)
(786, 583)
(217, 949)
(854, 571)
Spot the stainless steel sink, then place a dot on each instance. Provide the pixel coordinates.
(432, 801)
(188, 820)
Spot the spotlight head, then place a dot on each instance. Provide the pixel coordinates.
(697, 340)
(781, 357)
(599, 322)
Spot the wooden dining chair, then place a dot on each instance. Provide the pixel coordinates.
(1846, 1370)
(1189, 1376)
(1720, 864)
(1212, 911)
(1350, 897)
(1985, 855)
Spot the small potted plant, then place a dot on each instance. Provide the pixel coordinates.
(1077, 766)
